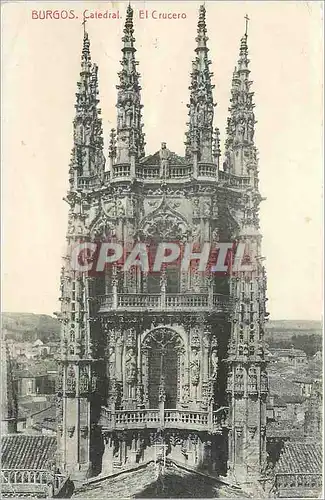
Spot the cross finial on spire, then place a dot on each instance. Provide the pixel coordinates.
(246, 23)
(84, 25)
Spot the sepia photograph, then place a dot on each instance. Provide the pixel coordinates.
(162, 249)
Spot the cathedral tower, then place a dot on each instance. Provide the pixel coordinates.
(170, 359)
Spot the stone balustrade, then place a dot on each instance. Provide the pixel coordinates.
(164, 302)
(298, 485)
(153, 172)
(31, 481)
(168, 419)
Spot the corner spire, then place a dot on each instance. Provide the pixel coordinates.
(87, 154)
(199, 137)
(129, 136)
(240, 150)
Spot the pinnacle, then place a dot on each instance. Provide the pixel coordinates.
(86, 48)
(243, 46)
(201, 24)
(128, 27)
(201, 38)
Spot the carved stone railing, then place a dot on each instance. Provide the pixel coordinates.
(120, 172)
(298, 484)
(207, 170)
(234, 181)
(150, 172)
(181, 419)
(169, 302)
(31, 481)
(168, 419)
(88, 183)
(180, 172)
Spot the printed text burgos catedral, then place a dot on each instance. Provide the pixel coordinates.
(106, 14)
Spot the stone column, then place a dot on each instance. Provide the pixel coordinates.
(107, 460)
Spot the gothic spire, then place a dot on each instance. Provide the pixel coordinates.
(240, 150)
(87, 153)
(129, 136)
(199, 137)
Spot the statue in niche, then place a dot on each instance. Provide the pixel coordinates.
(94, 383)
(111, 358)
(196, 207)
(200, 114)
(215, 235)
(239, 378)
(252, 378)
(130, 366)
(128, 113)
(196, 233)
(214, 364)
(186, 394)
(240, 132)
(250, 130)
(84, 381)
(119, 208)
(162, 389)
(71, 380)
(195, 367)
(264, 381)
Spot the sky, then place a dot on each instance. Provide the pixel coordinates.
(40, 69)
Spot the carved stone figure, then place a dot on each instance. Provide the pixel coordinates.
(264, 381)
(70, 430)
(252, 379)
(164, 160)
(239, 378)
(195, 367)
(186, 393)
(71, 379)
(162, 389)
(111, 359)
(119, 208)
(229, 380)
(128, 113)
(84, 381)
(214, 364)
(240, 132)
(130, 366)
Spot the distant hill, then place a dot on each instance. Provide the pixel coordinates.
(294, 325)
(29, 327)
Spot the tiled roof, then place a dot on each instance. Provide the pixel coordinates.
(20, 451)
(154, 159)
(304, 458)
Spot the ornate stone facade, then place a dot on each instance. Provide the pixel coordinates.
(175, 358)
